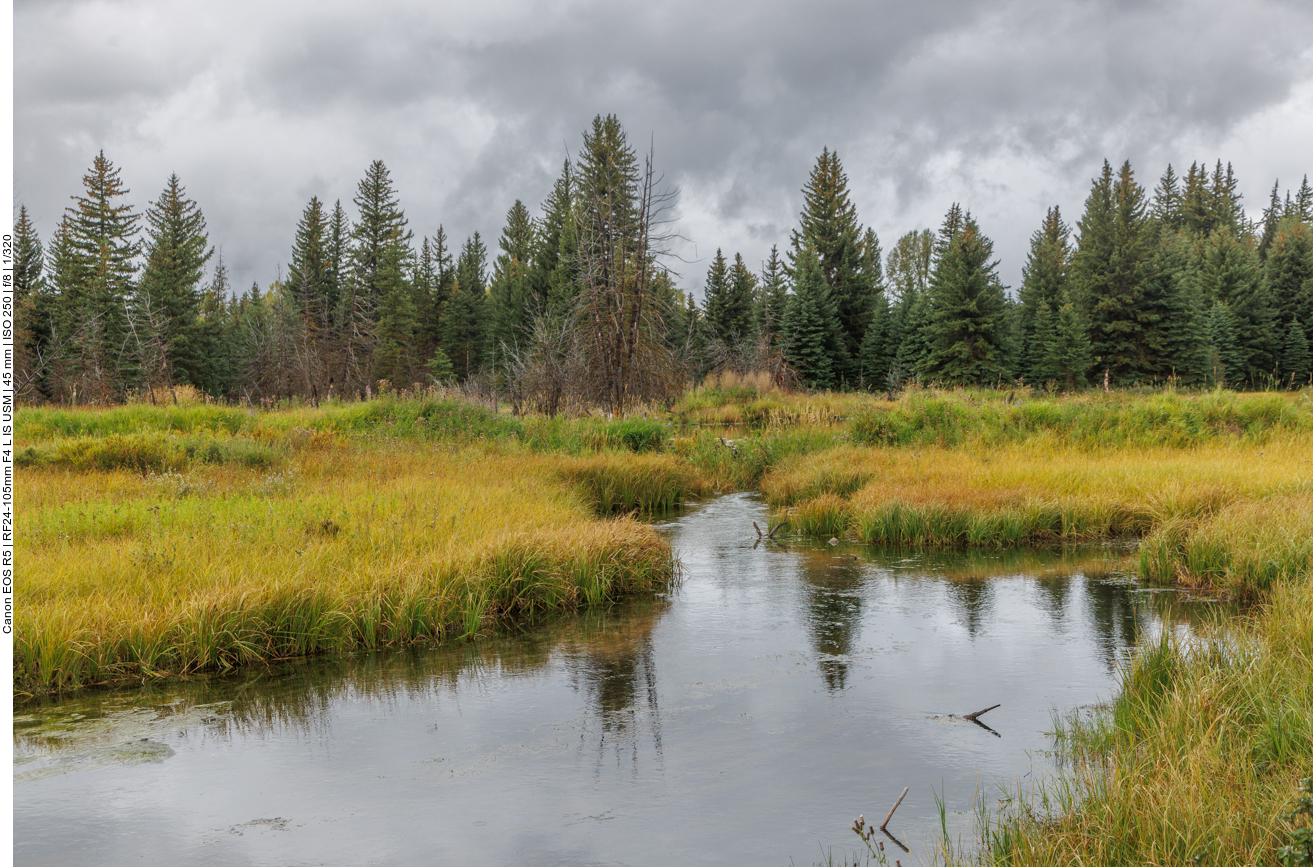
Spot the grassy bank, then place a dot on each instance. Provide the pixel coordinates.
(345, 538)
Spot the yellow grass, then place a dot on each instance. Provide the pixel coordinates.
(132, 575)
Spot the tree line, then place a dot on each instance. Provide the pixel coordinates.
(577, 307)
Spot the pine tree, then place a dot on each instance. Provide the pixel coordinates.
(310, 276)
(1288, 271)
(1185, 343)
(967, 327)
(1228, 366)
(728, 297)
(215, 336)
(1303, 208)
(1067, 353)
(1043, 279)
(92, 268)
(772, 296)
(1296, 359)
(167, 299)
(1110, 268)
(511, 298)
(912, 332)
(437, 283)
(877, 354)
(1167, 201)
(33, 311)
(554, 282)
(1197, 216)
(1271, 218)
(811, 323)
(1229, 272)
(828, 226)
(464, 320)
(394, 358)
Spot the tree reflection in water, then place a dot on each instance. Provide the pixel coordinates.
(832, 587)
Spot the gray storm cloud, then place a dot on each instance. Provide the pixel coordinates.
(1007, 107)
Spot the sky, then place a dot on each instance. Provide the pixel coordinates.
(1006, 107)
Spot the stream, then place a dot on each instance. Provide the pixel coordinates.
(747, 716)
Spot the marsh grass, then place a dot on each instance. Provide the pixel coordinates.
(131, 575)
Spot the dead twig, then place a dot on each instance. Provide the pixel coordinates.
(781, 525)
(894, 807)
(972, 716)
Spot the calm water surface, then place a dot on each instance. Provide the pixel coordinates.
(747, 717)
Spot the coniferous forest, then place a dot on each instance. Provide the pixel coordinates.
(573, 307)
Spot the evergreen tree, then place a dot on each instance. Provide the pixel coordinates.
(811, 323)
(511, 299)
(1228, 366)
(1067, 355)
(1271, 218)
(1288, 271)
(1175, 282)
(167, 299)
(1303, 208)
(92, 267)
(33, 311)
(728, 297)
(554, 282)
(437, 284)
(878, 350)
(967, 327)
(1111, 265)
(379, 239)
(310, 275)
(1043, 279)
(1197, 215)
(214, 336)
(394, 358)
(828, 226)
(772, 296)
(1296, 358)
(911, 330)
(1167, 201)
(1229, 272)
(464, 320)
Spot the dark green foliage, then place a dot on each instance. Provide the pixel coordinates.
(911, 323)
(394, 359)
(1228, 272)
(511, 298)
(1228, 366)
(1065, 357)
(464, 320)
(312, 276)
(1167, 200)
(811, 324)
(1288, 271)
(728, 297)
(554, 282)
(1296, 359)
(772, 295)
(1110, 268)
(878, 351)
(92, 266)
(33, 312)
(1043, 280)
(967, 327)
(1185, 341)
(828, 226)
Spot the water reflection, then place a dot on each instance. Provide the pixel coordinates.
(777, 694)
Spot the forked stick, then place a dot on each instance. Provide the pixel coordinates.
(972, 716)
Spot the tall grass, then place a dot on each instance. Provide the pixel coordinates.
(132, 575)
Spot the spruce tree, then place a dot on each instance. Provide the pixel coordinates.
(1043, 279)
(511, 297)
(1185, 346)
(728, 297)
(1296, 358)
(911, 327)
(394, 358)
(215, 336)
(1229, 272)
(1271, 218)
(772, 296)
(554, 282)
(33, 311)
(811, 323)
(828, 226)
(1067, 353)
(1288, 271)
(1167, 201)
(167, 299)
(1303, 204)
(967, 328)
(877, 354)
(1228, 366)
(1112, 263)
(464, 320)
(92, 267)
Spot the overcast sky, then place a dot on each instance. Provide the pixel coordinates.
(1006, 107)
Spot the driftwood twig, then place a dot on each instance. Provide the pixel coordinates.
(758, 529)
(972, 716)
(894, 807)
(781, 525)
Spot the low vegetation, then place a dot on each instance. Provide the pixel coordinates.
(175, 539)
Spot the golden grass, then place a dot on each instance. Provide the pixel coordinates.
(132, 575)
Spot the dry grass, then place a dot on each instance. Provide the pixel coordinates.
(131, 575)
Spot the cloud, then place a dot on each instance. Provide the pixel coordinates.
(1007, 107)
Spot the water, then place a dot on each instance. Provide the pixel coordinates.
(749, 716)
